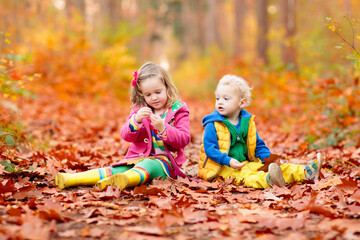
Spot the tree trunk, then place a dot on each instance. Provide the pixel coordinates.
(289, 23)
(213, 34)
(348, 7)
(75, 5)
(114, 11)
(239, 10)
(201, 25)
(262, 22)
(188, 28)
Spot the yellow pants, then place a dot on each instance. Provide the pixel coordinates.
(250, 177)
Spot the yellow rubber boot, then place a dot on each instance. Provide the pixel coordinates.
(129, 178)
(64, 180)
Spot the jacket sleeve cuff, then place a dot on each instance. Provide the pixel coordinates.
(134, 126)
(263, 158)
(162, 134)
(226, 161)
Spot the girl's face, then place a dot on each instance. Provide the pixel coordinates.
(154, 92)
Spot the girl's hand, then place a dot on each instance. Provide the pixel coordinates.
(144, 112)
(157, 122)
(236, 164)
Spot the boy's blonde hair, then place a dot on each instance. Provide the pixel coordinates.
(151, 70)
(241, 86)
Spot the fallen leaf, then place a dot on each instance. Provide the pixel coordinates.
(143, 189)
(330, 183)
(9, 186)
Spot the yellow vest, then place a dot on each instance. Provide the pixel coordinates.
(209, 169)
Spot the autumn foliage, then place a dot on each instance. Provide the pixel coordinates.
(68, 118)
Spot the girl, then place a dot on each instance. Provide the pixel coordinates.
(158, 129)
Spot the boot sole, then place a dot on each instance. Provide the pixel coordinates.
(60, 181)
(320, 162)
(117, 180)
(276, 177)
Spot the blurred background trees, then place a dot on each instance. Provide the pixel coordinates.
(288, 32)
(284, 48)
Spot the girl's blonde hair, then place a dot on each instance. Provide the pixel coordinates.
(152, 70)
(241, 86)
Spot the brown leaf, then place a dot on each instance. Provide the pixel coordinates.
(170, 217)
(191, 216)
(94, 213)
(198, 186)
(50, 204)
(32, 203)
(348, 186)
(110, 193)
(281, 192)
(331, 182)
(355, 210)
(15, 211)
(52, 214)
(271, 196)
(318, 208)
(143, 189)
(34, 227)
(9, 186)
(162, 203)
(183, 202)
(27, 192)
(282, 223)
(299, 191)
(274, 158)
(356, 196)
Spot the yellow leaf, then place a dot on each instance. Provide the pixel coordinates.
(332, 28)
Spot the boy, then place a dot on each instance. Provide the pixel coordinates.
(232, 148)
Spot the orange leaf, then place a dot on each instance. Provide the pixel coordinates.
(9, 186)
(348, 120)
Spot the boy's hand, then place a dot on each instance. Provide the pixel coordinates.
(144, 112)
(157, 122)
(236, 164)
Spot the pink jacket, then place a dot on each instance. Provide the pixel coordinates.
(177, 137)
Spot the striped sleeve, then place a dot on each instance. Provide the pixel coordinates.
(134, 126)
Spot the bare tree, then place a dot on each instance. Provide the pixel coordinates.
(75, 5)
(239, 10)
(114, 11)
(348, 6)
(201, 24)
(213, 33)
(262, 23)
(289, 23)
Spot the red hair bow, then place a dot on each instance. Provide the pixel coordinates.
(133, 83)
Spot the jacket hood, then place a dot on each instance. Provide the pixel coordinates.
(215, 116)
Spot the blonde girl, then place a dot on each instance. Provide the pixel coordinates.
(158, 129)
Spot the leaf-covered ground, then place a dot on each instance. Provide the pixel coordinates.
(82, 134)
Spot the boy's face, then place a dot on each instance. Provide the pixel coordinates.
(228, 101)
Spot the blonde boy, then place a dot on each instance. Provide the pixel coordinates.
(232, 148)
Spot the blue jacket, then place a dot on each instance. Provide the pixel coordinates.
(211, 145)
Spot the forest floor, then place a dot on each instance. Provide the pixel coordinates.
(79, 134)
